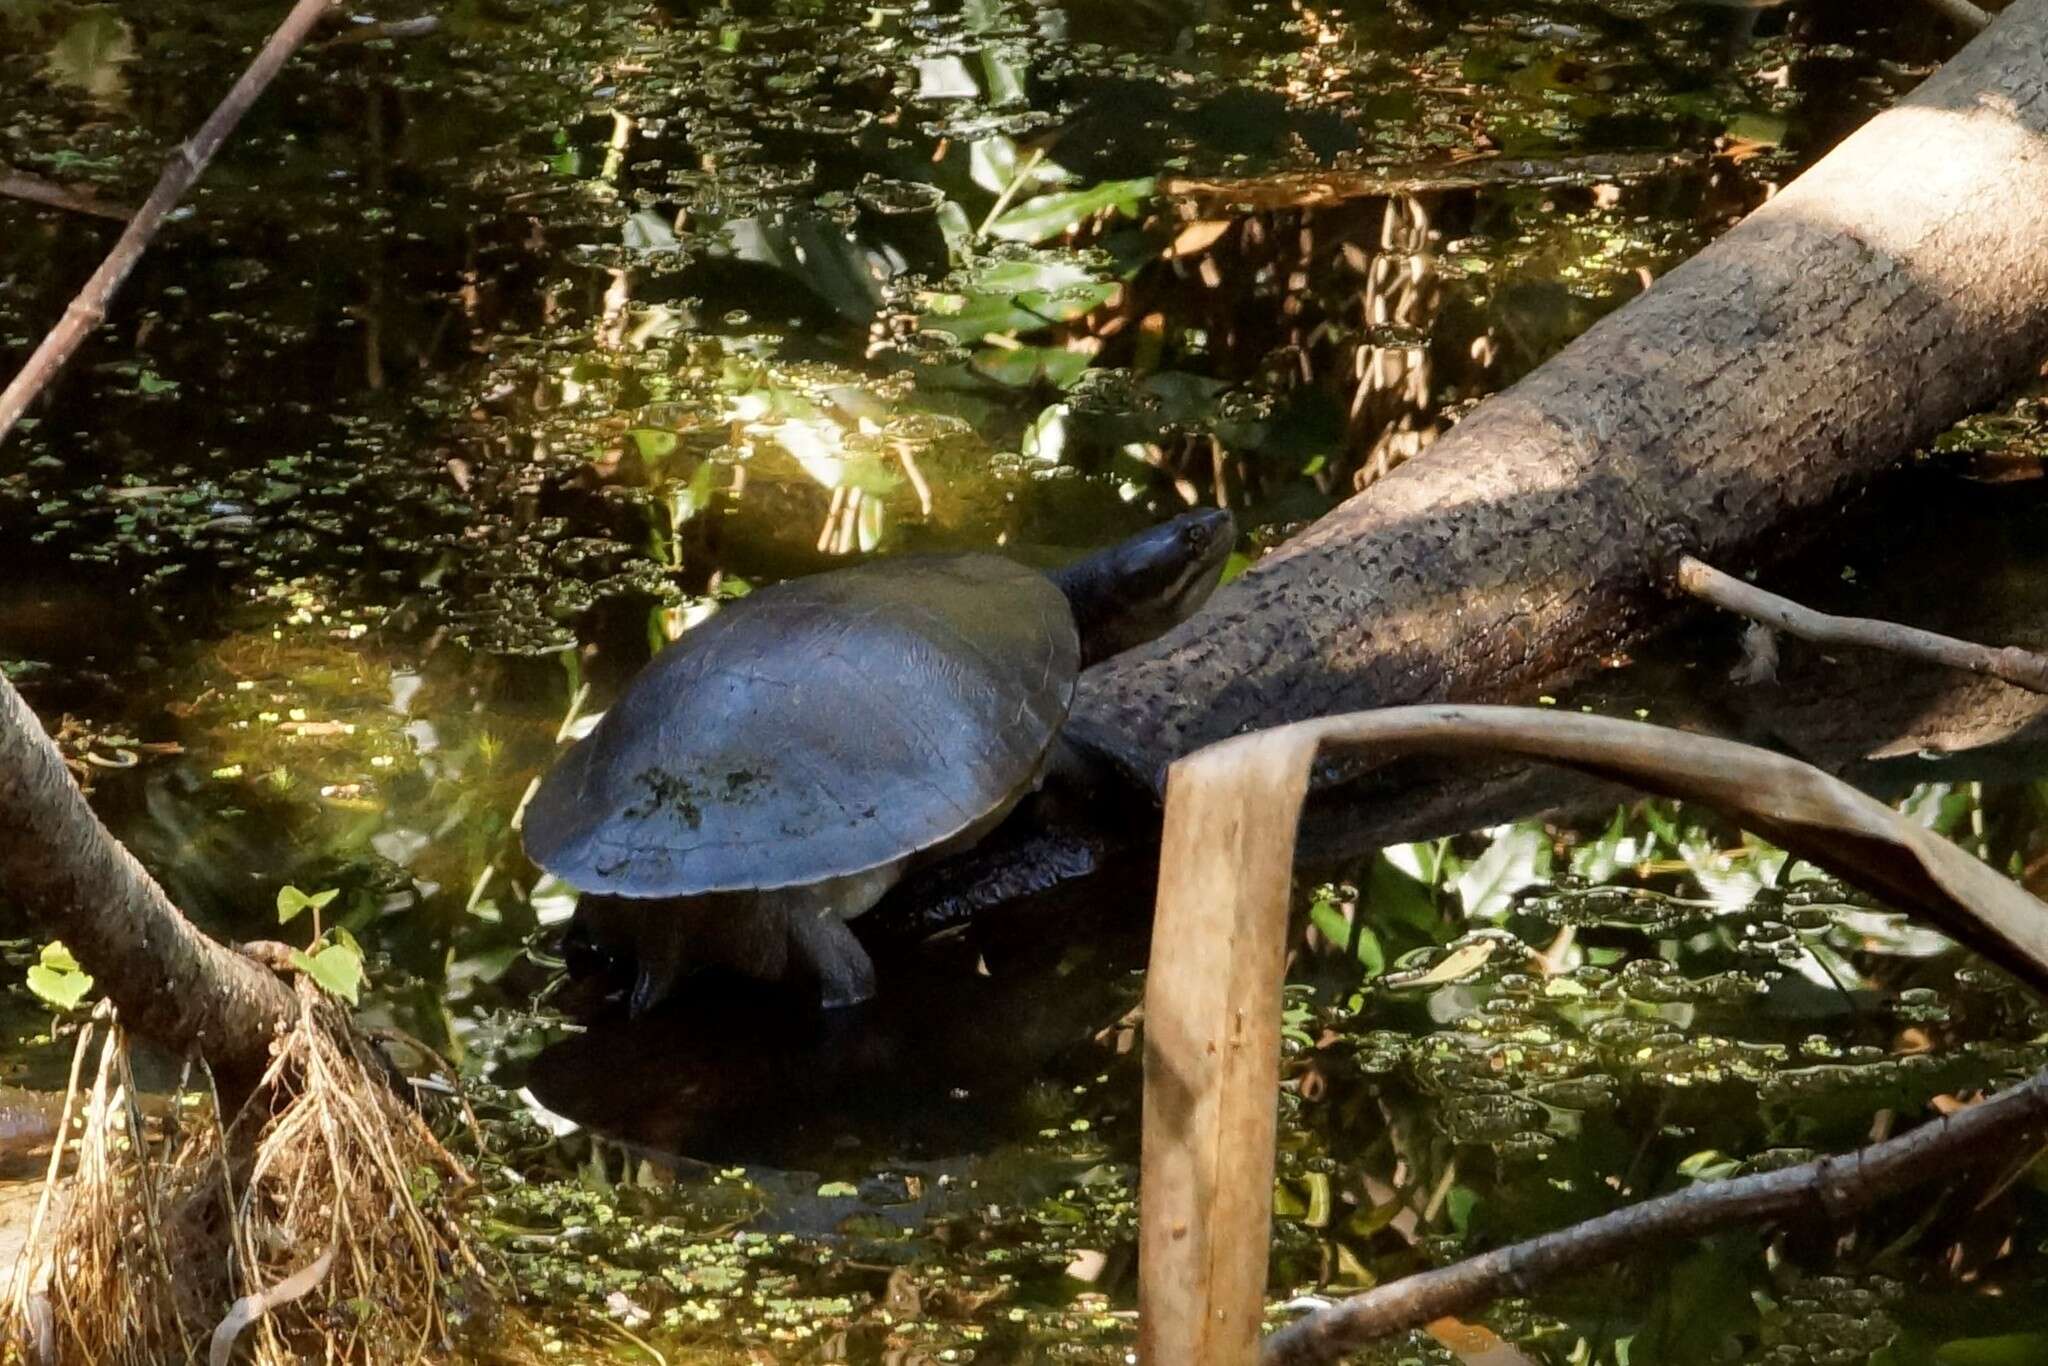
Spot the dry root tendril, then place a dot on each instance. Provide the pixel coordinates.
(138, 1254)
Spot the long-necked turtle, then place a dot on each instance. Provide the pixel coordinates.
(775, 771)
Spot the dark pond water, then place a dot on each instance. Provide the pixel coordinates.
(485, 361)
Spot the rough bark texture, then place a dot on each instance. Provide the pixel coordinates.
(1894, 288)
(172, 984)
(1932, 552)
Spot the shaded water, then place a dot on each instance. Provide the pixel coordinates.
(486, 360)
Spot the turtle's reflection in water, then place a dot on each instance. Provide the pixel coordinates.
(958, 1053)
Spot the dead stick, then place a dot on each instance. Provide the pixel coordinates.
(2021, 668)
(1830, 1187)
(89, 309)
(36, 190)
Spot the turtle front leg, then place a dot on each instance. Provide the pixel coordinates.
(655, 972)
(822, 944)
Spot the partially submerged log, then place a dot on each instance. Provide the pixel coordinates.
(1891, 290)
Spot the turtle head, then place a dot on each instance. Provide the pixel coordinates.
(1137, 589)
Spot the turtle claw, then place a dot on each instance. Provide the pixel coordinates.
(653, 979)
(646, 994)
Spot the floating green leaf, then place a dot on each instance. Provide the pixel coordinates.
(653, 443)
(999, 166)
(2012, 1349)
(1008, 297)
(92, 53)
(1019, 366)
(1353, 935)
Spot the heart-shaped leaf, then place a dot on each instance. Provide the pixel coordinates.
(337, 967)
(57, 978)
(291, 901)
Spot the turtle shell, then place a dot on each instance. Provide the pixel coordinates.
(815, 729)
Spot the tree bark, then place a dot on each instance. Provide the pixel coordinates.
(172, 984)
(1891, 290)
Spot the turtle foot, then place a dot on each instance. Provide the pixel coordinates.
(844, 972)
(650, 988)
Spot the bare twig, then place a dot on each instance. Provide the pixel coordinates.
(36, 190)
(916, 475)
(2021, 668)
(1022, 174)
(1830, 1187)
(89, 309)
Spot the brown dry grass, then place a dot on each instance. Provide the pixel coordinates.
(316, 1228)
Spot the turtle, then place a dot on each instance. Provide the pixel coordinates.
(774, 771)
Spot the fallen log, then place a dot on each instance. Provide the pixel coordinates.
(1892, 289)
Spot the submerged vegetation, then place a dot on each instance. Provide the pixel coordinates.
(489, 359)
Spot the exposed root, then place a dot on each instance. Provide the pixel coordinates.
(314, 1228)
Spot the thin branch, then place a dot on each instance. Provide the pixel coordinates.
(2021, 668)
(36, 190)
(1830, 1187)
(89, 309)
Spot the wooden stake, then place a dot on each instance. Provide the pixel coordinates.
(1212, 1048)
